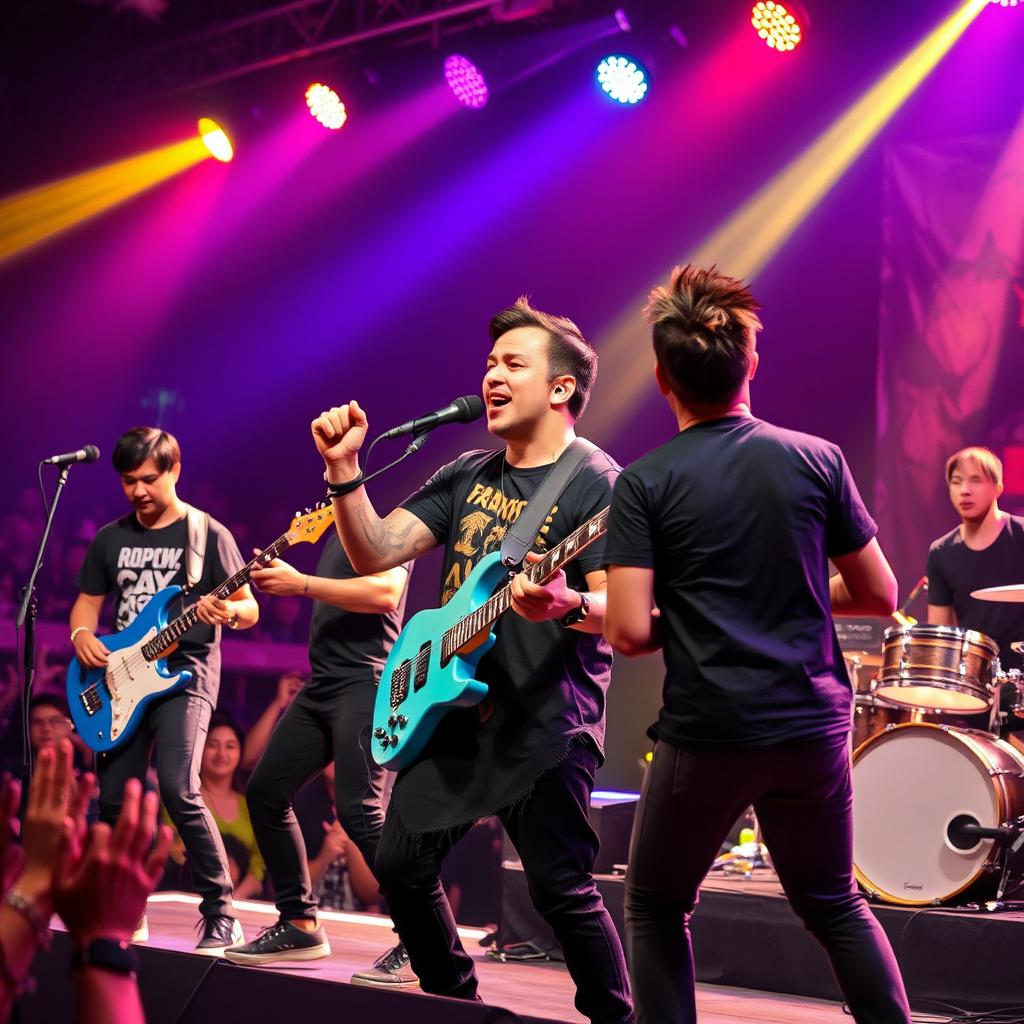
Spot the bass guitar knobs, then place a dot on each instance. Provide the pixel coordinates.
(379, 733)
(402, 721)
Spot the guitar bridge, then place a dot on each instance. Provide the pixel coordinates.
(90, 700)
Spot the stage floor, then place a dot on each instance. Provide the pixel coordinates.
(540, 991)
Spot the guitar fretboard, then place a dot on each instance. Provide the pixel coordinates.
(176, 628)
(483, 617)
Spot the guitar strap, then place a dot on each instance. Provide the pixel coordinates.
(524, 531)
(198, 523)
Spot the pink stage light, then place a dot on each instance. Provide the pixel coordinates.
(466, 80)
(777, 25)
(326, 106)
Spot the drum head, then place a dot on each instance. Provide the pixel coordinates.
(909, 784)
(933, 698)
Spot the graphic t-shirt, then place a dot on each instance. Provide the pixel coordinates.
(738, 519)
(954, 570)
(349, 646)
(547, 683)
(135, 563)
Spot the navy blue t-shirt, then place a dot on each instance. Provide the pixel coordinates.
(738, 519)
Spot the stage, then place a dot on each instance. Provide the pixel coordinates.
(178, 985)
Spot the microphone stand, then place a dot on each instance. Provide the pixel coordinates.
(26, 618)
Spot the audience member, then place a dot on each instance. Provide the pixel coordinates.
(259, 735)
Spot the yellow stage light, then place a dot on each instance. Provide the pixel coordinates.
(30, 217)
(215, 139)
(752, 236)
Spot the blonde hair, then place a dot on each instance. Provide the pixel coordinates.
(984, 458)
(704, 328)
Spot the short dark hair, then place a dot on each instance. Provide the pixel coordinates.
(704, 330)
(49, 700)
(140, 443)
(569, 353)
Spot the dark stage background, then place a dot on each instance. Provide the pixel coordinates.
(233, 303)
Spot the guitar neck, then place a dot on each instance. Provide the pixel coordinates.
(176, 628)
(538, 572)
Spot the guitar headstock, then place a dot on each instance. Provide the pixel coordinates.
(309, 526)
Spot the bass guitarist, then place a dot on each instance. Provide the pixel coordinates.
(530, 752)
(135, 557)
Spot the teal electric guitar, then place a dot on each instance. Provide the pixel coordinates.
(430, 668)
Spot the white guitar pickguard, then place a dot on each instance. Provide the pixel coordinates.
(130, 678)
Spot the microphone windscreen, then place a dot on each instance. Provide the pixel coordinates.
(92, 453)
(471, 407)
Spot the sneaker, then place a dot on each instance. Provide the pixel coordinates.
(218, 933)
(141, 933)
(392, 970)
(281, 941)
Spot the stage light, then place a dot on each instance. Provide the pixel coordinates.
(326, 106)
(466, 81)
(777, 25)
(622, 79)
(215, 139)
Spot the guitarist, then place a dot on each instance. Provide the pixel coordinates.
(529, 753)
(134, 557)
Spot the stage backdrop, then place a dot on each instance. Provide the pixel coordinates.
(951, 345)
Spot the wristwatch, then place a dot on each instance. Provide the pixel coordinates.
(107, 954)
(577, 615)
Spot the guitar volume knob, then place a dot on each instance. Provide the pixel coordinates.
(402, 721)
(379, 733)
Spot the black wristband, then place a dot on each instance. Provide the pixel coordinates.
(577, 615)
(107, 954)
(340, 490)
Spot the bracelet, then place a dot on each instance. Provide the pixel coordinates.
(114, 955)
(30, 912)
(340, 490)
(232, 623)
(76, 631)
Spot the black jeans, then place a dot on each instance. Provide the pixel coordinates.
(551, 831)
(321, 723)
(178, 726)
(803, 798)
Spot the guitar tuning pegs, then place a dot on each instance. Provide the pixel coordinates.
(297, 514)
(308, 510)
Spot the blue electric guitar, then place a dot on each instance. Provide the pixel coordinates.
(108, 703)
(430, 668)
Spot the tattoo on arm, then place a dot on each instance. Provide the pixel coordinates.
(382, 538)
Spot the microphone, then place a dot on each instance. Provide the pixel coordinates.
(90, 453)
(462, 410)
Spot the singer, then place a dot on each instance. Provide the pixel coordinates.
(134, 557)
(529, 753)
(985, 550)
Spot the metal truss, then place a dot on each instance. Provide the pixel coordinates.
(291, 31)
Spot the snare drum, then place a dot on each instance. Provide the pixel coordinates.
(938, 668)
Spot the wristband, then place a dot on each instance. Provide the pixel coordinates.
(340, 490)
(76, 631)
(112, 955)
(577, 615)
(30, 912)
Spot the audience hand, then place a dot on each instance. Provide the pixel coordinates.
(12, 856)
(102, 892)
(335, 840)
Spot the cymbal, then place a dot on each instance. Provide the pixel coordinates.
(869, 658)
(1012, 594)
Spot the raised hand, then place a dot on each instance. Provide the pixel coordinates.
(338, 434)
(12, 856)
(102, 891)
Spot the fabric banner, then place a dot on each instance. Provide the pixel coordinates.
(951, 344)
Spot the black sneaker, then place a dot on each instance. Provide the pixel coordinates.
(217, 934)
(281, 941)
(392, 970)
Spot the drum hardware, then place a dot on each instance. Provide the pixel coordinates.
(1012, 594)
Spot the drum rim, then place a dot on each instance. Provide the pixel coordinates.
(926, 629)
(934, 684)
(961, 736)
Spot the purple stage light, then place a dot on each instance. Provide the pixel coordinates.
(622, 78)
(466, 80)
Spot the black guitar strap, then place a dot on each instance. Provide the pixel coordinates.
(524, 531)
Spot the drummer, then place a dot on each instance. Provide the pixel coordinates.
(985, 550)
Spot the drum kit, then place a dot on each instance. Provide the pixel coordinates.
(938, 794)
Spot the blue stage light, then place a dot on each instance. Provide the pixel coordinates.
(622, 78)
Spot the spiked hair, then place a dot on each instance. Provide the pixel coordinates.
(704, 327)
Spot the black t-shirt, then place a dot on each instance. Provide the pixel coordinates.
(738, 519)
(547, 683)
(349, 646)
(136, 563)
(954, 570)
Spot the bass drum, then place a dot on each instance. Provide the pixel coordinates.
(912, 786)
